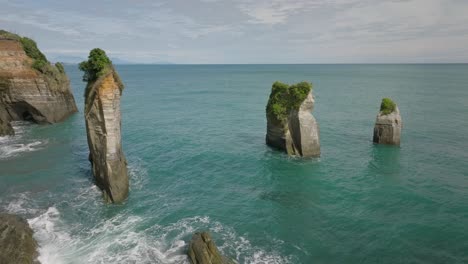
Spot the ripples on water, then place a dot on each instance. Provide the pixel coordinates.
(194, 140)
(12, 146)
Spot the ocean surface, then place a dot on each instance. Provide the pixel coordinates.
(194, 137)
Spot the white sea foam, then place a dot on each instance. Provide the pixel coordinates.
(126, 238)
(11, 146)
(79, 228)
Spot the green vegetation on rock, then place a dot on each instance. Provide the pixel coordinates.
(387, 106)
(31, 49)
(60, 67)
(284, 98)
(40, 62)
(97, 65)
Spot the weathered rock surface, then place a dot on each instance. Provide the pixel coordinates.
(299, 134)
(27, 93)
(387, 129)
(5, 127)
(202, 250)
(17, 244)
(103, 121)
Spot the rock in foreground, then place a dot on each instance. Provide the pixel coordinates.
(5, 127)
(387, 129)
(291, 126)
(31, 88)
(103, 120)
(202, 250)
(17, 244)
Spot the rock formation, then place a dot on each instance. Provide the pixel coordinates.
(31, 88)
(387, 129)
(17, 244)
(202, 250)
(290, 124)
(5, 127)
(102, 115)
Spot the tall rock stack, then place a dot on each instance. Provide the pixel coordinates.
(31, 88)
(103, 121)
(291, 127)
(387, 129)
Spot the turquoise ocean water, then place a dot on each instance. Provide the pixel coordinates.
(194, 137)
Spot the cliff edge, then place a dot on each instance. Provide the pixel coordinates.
(291, 126)
(31, 88)
(103, 124)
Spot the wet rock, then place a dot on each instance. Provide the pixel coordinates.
(202, 250)
(17, 244)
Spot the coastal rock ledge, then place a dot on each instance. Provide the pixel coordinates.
(387, 129)
(103, 121)
(291, 127)
(17, 244)
(31, 88)
(202, 250)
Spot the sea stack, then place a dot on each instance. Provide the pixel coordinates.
(387, 129)
(291, 127)
(102, 116)
(31, 88)
(17, 244)
(202, 250)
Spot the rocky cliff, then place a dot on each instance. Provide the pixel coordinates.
(17, 244)
(387, 129)
(291, 126)
(202, 250)
(30, 87)
(103, 121)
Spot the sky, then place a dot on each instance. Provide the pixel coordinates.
(245, 31)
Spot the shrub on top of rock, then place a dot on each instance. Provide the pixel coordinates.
(284, 98)
(97, 65)
(387, 106)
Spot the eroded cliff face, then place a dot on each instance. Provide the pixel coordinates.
(103, 121)
(298, 135)
(387, 129)
(28, 94)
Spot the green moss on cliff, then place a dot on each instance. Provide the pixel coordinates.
(40, 62)
(387, 106)
(284, 98)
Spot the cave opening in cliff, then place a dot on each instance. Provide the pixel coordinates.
(27, 116)
(25, 111)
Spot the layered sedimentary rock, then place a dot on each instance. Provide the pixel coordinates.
(292, 128)
(103, 121)
(17, 244)
(202, 250)
(31, 88)
(387, 129)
